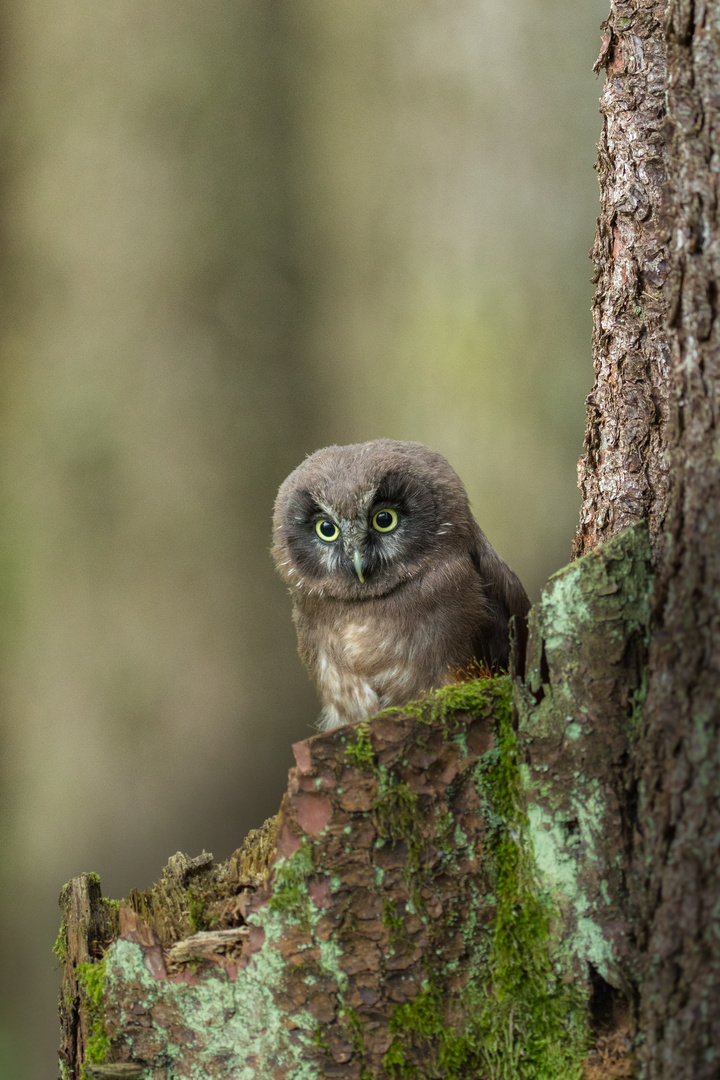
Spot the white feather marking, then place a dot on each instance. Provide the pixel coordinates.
(329, 718)
(354, 639)
(348, 697)
(395, 681)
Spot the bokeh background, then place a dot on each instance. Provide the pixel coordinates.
(232, 233)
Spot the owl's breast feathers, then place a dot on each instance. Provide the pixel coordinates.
(389, 650)
(364, 665)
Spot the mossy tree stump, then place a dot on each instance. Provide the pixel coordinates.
(393, 921)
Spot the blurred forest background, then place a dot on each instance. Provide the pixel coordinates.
(233, 233)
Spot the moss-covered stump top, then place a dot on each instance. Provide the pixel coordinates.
(360, 948)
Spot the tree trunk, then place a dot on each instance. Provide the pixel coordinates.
(447, 893)
(653, 451)
(677, 872)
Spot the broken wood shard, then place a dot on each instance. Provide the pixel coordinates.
(206, 944)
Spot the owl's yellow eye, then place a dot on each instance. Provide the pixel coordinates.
(327, 530)
(385, 520)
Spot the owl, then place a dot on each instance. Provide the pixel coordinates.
(395, 588)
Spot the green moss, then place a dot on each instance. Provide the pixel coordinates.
(197, 904)
(422, 1020)
(454, 1054)
(354, 1029)
(392, 921)
(532, 1024)
(60, 947)
(91, 978)
(360, 752)
(398, 820)
(473, 696)
(395, 810)
(524, 1021)
(319, 1040)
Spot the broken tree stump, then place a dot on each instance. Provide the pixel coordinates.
(394, 920)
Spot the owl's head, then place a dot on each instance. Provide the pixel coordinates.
(357, 521)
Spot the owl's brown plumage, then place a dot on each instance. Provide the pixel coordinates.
(394, 584)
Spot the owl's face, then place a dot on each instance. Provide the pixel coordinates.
(355, 522)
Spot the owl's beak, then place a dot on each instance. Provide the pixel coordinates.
(357, 563)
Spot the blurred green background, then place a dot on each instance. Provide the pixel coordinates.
(233, 233)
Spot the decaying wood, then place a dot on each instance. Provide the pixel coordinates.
(87, 928)
(358, 947)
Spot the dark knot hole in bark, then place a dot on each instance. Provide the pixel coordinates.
(609, 1008)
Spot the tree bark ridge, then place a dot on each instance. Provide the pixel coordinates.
(623, 473)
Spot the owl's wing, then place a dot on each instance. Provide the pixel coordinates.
(505, 597)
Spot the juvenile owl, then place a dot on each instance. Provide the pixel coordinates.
(394, 585)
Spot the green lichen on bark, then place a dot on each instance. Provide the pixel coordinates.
(579, 708)
(290, 894)
(240, 1021)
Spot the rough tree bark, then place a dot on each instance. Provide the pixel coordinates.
(624, 474)
(653, 450)
(476, 885)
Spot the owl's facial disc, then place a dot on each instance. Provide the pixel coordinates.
(363, 541)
